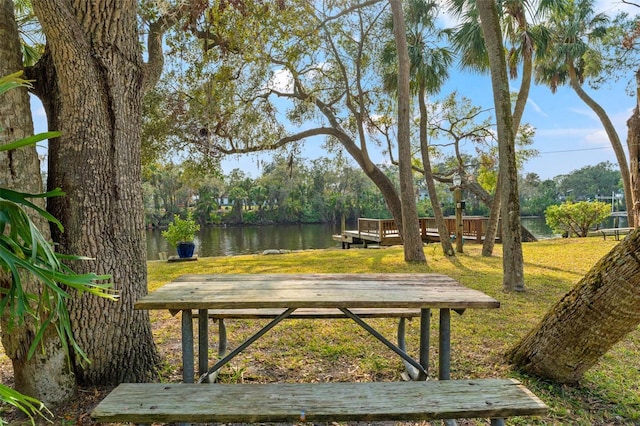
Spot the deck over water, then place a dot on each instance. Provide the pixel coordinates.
(385, 232)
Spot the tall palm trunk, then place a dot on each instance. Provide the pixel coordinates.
(513, 262)
(618, 149)
(633, 142)
(518, 111)
(412, 240)
(46, 375)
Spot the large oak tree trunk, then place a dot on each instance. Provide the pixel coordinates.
(91, 84)
(46, 375)
(513, 262)
(598, 312)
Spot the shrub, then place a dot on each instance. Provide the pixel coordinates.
(576, 218)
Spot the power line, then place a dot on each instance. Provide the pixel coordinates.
(575, 150)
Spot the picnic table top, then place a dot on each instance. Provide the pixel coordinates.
(626, 229)
(244, 291)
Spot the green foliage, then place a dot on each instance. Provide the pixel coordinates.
(536, 195)
(591, 181)
(576, 218)
(23, 249)
(181, 230)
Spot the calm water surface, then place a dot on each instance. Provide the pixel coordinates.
(234, 240)
(230, 241)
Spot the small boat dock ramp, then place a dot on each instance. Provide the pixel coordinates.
(384, 232)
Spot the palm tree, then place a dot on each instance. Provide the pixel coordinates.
(412, 241)
(576, 31)
(429, 68)
(522, 40)
(513, 262)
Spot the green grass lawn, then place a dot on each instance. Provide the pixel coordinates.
(338, 350)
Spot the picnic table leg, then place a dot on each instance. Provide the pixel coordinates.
(187, 346)
(444, 355)
(222, 350)
(425, 325)
(410, 372)
(222, 338)
(203, 341)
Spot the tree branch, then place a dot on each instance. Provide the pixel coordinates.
(328, 131)
(153, 67)
(348, 10)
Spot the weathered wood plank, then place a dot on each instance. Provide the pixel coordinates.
(315, 291)
(389, 277)
(320, 313)
(280, 402)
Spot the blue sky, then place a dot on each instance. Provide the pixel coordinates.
(568, 134)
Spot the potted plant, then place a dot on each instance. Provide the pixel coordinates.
(181, 233)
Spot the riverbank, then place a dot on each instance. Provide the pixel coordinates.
(326, 350)
(238, 240)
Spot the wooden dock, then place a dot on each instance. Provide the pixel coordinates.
(384, 232)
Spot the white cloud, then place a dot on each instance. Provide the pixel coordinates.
(597, 138)
(281, 80)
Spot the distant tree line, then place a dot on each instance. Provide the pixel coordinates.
(327, 190)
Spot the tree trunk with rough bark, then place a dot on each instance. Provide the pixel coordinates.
(443, 232)
(46, 376)
(513, 261)
(91, 83)
(412, 240)
(598, 312)
(633, 142)
(518, 111)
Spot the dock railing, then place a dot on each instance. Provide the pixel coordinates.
(473, 227)
(378, 228)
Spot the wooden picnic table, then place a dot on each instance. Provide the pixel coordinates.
(289, 292)
(355, 296)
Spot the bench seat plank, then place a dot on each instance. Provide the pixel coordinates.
(318, 313)
(283, 402)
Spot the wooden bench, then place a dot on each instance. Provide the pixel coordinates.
(147, 403)
(616, 232)
(220, 315)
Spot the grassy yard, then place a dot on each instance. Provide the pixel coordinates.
(338, 350)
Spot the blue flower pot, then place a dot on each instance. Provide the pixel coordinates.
(185, 250)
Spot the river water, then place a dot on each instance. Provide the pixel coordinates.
(230, 241)
(234, 240)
